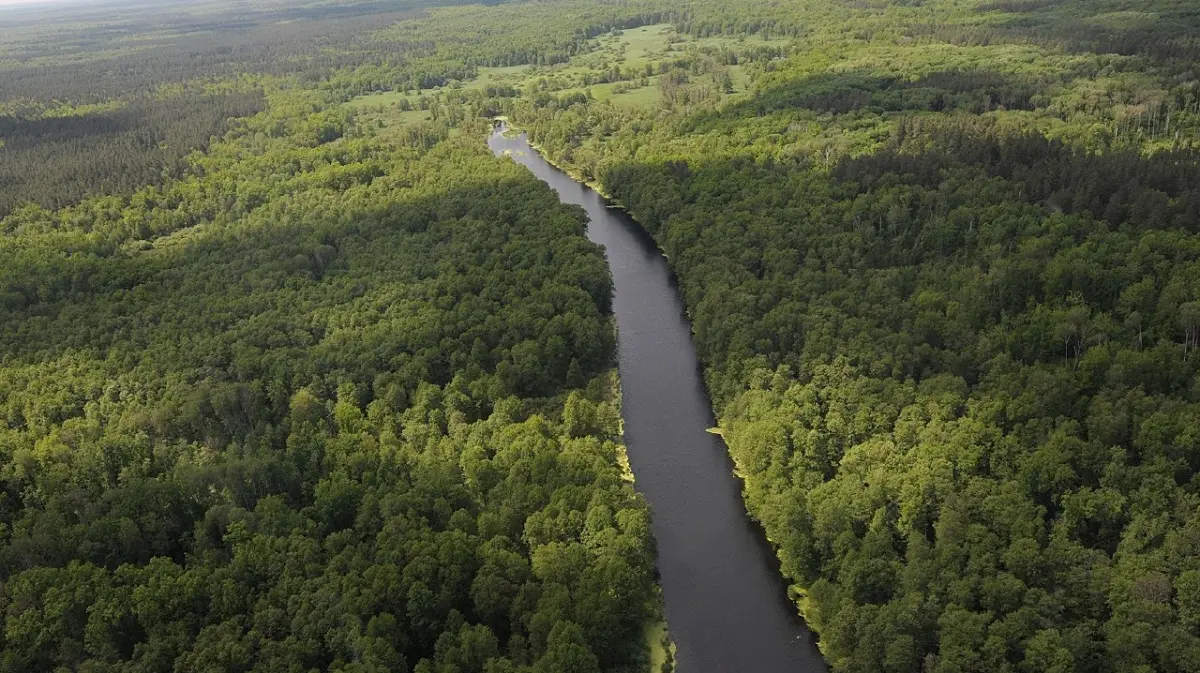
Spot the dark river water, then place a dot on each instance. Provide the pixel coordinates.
(726, 604)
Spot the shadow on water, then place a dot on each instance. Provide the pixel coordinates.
(653, 255)
(726, 601)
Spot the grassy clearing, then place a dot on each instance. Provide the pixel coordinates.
(511, 75)
(646, 96)
(386, 122)
(741, 79)
(383, 98)
(411, 116)
(661, 649)
(638, 46)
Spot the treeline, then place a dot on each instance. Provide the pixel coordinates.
(513, 34)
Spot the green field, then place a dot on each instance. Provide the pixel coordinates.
(380, 99)
(661, 649)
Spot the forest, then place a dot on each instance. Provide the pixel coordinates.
(307, 397)
(296, 376)
(943, 276)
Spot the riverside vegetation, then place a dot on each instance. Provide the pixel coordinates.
(295, 376)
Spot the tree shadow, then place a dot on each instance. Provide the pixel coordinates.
(56, 161)
(1122, 187)
(1161, 30)
(404, 288)
(970, 91)
(776, 261)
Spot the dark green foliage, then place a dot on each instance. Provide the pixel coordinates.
(56, 161)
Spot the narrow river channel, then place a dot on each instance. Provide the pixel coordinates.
(727, 608)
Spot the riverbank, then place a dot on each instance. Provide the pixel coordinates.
(656, 632)
(796, 594)
(572, 173)
(725, 599)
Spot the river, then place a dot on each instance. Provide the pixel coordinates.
(726, 603)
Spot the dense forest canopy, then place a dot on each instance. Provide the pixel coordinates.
(295, 376)
(285, 391)
(942, 263)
